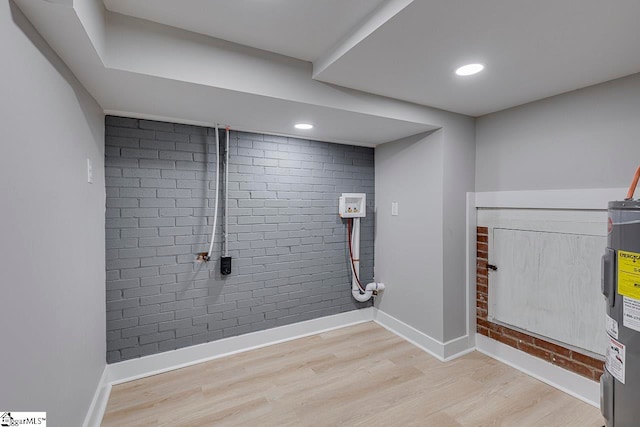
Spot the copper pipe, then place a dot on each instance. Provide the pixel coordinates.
(634, 183)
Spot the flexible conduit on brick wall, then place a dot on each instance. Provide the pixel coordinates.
(288, 244)
(565, 358)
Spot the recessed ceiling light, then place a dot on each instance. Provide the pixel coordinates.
(469, 69)
(303, 126)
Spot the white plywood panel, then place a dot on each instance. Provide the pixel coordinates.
(548, 283)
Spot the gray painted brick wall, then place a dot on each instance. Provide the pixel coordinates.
(290, 257)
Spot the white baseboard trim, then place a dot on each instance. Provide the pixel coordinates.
(457, 347)
(130, 370)
(99, 402)
(573, 384)
(441, 351)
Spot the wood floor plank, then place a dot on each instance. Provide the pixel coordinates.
(359, 375)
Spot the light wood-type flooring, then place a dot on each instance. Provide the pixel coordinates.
(361, 375)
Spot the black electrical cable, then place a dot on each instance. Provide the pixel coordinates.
(353, 266)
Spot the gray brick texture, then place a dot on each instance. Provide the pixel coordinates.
(289, 247)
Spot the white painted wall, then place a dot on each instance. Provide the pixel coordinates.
(52, 245)
(420, 254)
(408, 247)
(459, 178)
(588, 138)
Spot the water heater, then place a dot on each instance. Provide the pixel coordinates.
(620, 383)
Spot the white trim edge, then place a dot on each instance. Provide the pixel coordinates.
(130, 370)
(457, 347)
(471, 260)
(442, 351)
(573, 384)
(99, 402)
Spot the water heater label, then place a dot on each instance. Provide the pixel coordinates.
(629, 274)
(616, 359)
(612, 327)
(631, 313)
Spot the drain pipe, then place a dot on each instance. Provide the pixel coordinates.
(360, 293)
(225, 259)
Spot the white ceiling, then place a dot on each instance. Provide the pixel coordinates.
(532, 49)
(139, 68)
(363, 71)
(302, 29)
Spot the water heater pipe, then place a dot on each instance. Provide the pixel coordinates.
(634, 183)
(215, 209)
(359, 292)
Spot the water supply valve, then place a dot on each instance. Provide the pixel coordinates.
(352, 205)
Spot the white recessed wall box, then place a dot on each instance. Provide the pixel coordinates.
(353, 205)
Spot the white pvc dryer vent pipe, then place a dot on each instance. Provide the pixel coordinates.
(360, 293)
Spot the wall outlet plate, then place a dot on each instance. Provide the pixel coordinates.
(225, 265)
(352, 205)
